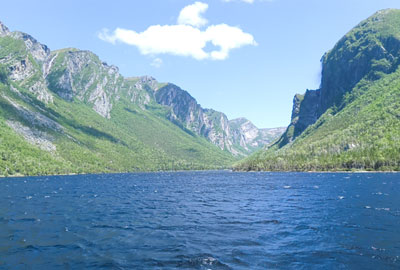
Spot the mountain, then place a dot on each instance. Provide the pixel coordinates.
(239, 136)
(66, 111)
(248, 138)
(353, 120)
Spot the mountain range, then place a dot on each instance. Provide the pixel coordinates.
(66, 111)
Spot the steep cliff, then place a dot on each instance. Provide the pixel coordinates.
(368, 51)
(239, 136)
(24, 57)
(304, 113)
(250, 138)
(353, 120)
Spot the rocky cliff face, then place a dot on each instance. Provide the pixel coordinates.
(140, 90)
(80, 76)
(39, 51)
(218, 131)
(238, 136)
(269, 135)
(184, 108)
(367, 52)
(304, 113)
(249, 137)
(186, 112)
(3, 30)
(23, 56)
(352, 121)
(68, 112)
(244, 132)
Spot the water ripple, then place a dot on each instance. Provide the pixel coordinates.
(201, 220)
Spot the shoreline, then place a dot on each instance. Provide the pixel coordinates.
(211, 170)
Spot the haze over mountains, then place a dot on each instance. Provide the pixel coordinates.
(66, 111)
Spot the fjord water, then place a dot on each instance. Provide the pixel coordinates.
(201, 220)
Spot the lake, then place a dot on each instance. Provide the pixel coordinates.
(201, 220)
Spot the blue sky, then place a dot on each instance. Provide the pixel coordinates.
(258, 53)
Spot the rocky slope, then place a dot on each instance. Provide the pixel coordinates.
(67, 111)
(238, 136)
(250, 138)
(352, 121)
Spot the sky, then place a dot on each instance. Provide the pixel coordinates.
(246, 58)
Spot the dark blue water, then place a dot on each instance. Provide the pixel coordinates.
(201, 220)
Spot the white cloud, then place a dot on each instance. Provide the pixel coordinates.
(157, 62)
(192, 14)
(183, 39)
(227, 38)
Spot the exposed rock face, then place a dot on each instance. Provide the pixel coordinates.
(39, 51)
(35, 118)
(137, 93)
(19, 62)
(34, 136)
(76, 75)
(184, 107)
(249, 137)
(244, 132)
(352, 122)
(239, 136)
(146, 80)
(73, 73)
(217, 130)
(304, 113)
(39, 88)
(3, 30)
(185, 111)
(21, 70)
(365, 53)
(307, 113)
(80, 74)
(269, 135)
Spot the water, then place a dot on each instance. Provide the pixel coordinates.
(201, 220)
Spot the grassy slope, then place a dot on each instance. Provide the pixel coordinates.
(361, 132)
(132, 140)
(364, 135)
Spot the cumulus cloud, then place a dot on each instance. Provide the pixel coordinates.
(184, 38)
(192, 15)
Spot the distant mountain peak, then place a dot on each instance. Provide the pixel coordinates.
(3, 30)
(239, 120)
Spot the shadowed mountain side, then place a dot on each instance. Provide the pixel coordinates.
(352, 121)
